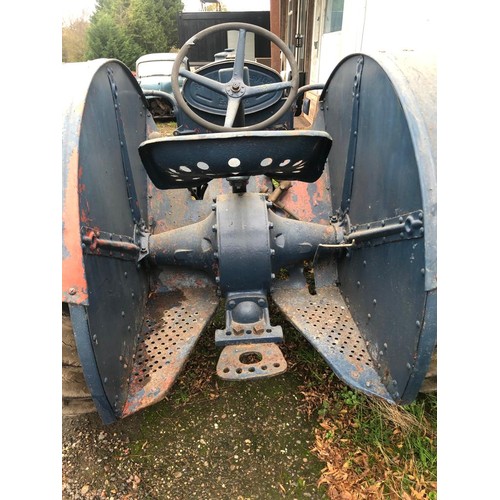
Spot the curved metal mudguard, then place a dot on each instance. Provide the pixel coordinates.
(373, 314)
(134, 328)
(381, 112)
(104, 204)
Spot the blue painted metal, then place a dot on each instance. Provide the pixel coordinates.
(325, 321)
(186, 125)
(173, 322)
(353, 138)
(373, 316)
(128, 173)
(235, 91)
(193, 160)
(424, 351)
(390, 172)
(87, 359)
(205, 99)
(243, 237)
(110, 192)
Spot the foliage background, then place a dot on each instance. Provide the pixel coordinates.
(124, 30)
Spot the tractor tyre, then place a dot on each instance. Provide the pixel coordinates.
(76, 398)
(430, 381)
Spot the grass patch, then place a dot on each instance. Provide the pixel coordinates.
(371, 449)
(166, 128)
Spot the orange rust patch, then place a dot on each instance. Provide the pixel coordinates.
(298, 200)
(74, 284)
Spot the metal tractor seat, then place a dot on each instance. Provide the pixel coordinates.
(193, 160)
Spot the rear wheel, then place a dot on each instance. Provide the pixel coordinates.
(160, 109)
(76, 398)
(430, 381)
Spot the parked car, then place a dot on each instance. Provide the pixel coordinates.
(153, 72)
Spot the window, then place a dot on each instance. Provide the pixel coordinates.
(333, 15)
(155, 68)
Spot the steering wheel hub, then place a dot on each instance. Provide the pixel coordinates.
(235, 89)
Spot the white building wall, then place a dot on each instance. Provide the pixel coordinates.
(394, 25)
(370, 26)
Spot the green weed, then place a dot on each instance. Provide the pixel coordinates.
(373, 446)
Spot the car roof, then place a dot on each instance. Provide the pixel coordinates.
(157, 56)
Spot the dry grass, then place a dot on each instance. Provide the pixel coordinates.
(371, 449)
(166, 128)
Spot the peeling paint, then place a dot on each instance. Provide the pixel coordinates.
(74, 283)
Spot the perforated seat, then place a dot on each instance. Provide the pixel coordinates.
(192, 160)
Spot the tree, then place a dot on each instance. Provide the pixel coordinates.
(169, 22)
(107, 39)
(145, 26)
(74, 40)
(127, 29)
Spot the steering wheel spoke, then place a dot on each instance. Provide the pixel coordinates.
(239, 60)
(267, 89)
(233, 107)
(204, 81)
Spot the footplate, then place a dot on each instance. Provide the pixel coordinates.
(250, 361)
(324, 319)
(172, 324)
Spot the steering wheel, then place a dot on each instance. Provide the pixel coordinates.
(235, 90)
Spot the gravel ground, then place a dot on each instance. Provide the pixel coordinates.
(246, 440)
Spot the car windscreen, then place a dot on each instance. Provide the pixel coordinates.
(154, 68)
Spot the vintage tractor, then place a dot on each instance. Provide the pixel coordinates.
(336, 224)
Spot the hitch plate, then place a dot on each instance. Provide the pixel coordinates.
(249, 361)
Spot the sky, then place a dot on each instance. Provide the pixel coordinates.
(73, 9)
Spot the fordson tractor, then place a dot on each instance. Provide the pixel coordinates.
(233, 208)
